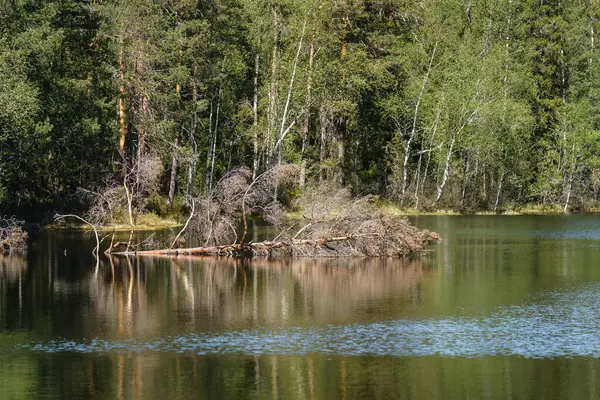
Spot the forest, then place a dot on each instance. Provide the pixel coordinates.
(468, 105)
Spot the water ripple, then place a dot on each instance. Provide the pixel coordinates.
(557, 325)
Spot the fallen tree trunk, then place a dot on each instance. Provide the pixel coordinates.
(328, 247)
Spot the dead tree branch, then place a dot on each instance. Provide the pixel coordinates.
(13, 238)
(335, 223)
(186, 224)
(59, 217)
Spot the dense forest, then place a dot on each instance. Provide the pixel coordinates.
(463, 104)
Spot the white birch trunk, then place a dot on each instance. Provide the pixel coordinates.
(414, 124)
(592, 34)
(193, 127)
(255, 113)
(434, 131)
(418, 179)
(464, 186)
(570, 182)
(272, 94)
(214, 147)
(499, 192)
(173, 180)
(322, 149)
(210, 145)
(446, 172)
(306, 127)
(570, 188)
(289, 97)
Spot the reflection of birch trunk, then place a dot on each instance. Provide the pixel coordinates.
(311, 376)
(130, 292)
(255, 304)
(274, 373)
(120, 376)
(187, 285)
(343, 379)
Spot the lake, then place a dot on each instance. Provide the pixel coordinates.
(503, 307)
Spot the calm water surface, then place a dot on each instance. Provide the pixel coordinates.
(504, 307)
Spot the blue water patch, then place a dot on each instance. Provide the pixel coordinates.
(552, 234)
(559, 227)
(556, 325)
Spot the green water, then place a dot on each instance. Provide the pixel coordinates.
(503, 307)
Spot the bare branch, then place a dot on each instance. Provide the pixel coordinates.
(338, 225)
(186, 224)
(59, 217)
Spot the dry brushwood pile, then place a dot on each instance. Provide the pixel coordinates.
(335, 224)
(332, 222)
(13, 238)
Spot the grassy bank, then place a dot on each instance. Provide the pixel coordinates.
(145, 222)
(525, 209)
(151, 221)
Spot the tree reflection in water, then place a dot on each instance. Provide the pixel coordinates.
(158, 297)
(12, 267)
(12, 270)
(151, 297)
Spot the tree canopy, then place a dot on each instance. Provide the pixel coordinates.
(471, 104)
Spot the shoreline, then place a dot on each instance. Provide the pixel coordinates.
(159, 225)
(388, 208)
(532, 209)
